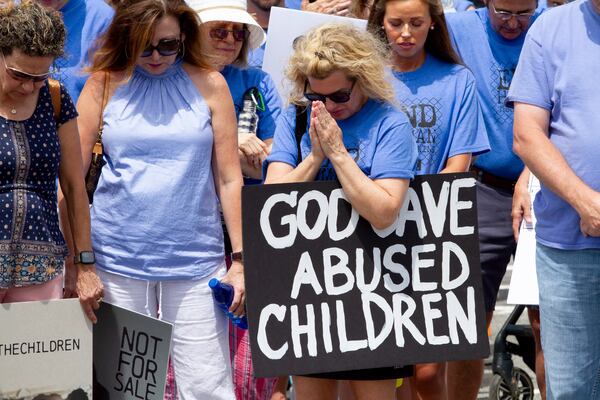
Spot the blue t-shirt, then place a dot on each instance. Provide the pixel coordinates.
(378, 137)
(440, 100)
(239, 81)
(493, 60)
(293, 4)
(256, 56)
(85, 21)
(559, 72)
(462, 5)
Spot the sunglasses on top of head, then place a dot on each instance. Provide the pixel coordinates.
(24, 76)
(165, 47)
(239, 35)
(341, 96)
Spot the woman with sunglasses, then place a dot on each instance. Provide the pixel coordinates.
(354, 135)
(438, 95)
(38, 143)
(171, 158)
(228, 33)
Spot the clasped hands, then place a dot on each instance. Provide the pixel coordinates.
(325, 134)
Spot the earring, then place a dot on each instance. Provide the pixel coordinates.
(432, 27)
(182, 50)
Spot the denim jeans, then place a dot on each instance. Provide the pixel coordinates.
(569, 282)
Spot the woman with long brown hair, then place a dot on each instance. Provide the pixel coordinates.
(171, 157)
(438, 95)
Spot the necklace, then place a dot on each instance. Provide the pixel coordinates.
(13, 111)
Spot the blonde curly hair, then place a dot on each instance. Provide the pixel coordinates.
(32, 29)
(339, 47)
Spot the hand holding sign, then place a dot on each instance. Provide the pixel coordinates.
(89, 289)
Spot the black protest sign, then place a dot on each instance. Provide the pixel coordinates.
(328, 292)
(131, 354)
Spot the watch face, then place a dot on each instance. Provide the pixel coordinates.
(87, 257)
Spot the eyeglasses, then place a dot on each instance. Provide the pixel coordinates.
(24, 76)
(506, 15)
(341, 96)
(239, 35)
(165, 47)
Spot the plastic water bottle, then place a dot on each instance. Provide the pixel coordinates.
(223, 295)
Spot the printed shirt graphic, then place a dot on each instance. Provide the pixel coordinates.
(378, 137)
(493, 60)
(440, 100)
(558, 72)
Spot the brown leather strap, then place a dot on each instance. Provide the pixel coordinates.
(97, 149)
(54, 86)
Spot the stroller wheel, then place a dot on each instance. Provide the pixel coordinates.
(521, 387)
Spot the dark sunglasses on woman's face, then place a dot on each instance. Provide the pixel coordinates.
(165, 47)
(239, 35)
(24, 76)
(341, 96)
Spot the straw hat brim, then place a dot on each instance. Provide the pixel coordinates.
(257, 35)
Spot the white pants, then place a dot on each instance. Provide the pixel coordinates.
(200, 346)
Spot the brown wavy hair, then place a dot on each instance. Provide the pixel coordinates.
(33, 29)
(131, 31)
(438, 41)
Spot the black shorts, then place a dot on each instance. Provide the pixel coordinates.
(496, 241)
(372, 374)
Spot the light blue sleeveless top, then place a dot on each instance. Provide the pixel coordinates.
(155, 214)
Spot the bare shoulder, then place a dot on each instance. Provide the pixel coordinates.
(210, 83)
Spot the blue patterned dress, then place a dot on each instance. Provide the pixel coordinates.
(32, 248)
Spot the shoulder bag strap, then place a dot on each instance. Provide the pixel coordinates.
(300, 129)
(98, 145)
(54, 87)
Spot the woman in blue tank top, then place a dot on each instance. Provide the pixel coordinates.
(438, 95)
(229, 32)
(171, 158)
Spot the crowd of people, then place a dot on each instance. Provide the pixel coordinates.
(175, 93)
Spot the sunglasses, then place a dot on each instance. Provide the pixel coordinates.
(165, 47)
(506, 16)
(341, 96)
(239, 35)
(24, 76)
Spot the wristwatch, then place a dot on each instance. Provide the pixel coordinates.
(237, 256)
(85, 257)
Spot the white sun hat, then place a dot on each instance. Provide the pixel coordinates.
(230, 11)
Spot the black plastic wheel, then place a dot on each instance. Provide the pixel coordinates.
(501, 390)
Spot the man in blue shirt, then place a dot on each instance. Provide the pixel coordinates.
(85, 21)
(556, 96)
(489, 40)
(261, 9)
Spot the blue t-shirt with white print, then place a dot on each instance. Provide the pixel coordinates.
(440, 100)
(493, 60)
(378, 137)
(559, 71)
(85, 21)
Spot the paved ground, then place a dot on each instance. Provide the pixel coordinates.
(502, 312)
